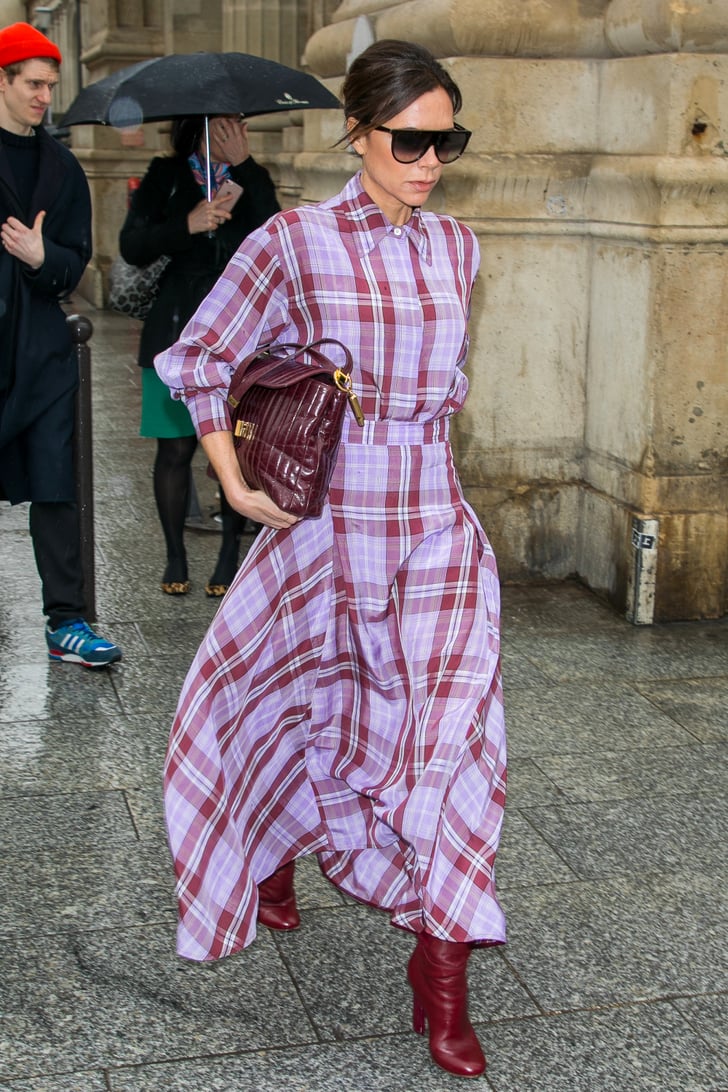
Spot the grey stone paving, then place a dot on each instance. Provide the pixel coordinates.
(612, 872)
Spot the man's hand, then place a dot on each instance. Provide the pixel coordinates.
(24, 243)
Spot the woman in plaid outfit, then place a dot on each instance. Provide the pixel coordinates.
(346, 700)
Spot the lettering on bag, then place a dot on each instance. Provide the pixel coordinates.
(245, 430)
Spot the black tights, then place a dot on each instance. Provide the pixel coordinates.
(171, 492)
(233, 525)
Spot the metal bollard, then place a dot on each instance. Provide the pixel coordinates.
(81, 330)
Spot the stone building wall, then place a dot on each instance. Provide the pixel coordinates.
(594, 439)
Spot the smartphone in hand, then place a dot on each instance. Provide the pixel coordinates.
(229, 193)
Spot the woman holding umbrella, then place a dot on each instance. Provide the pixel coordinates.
(346, 700)
(170, 214)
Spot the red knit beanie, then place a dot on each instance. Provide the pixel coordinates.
(22, 42)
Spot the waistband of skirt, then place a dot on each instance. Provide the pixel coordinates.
(396, 432)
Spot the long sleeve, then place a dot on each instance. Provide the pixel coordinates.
(247, 307)
(151, 228)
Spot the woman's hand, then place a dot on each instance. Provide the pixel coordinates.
(252, 503)
(258, 507)
(228, 144)
(208, 215)
(229, 140)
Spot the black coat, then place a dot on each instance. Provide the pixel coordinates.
(156, 224)
(38, 367)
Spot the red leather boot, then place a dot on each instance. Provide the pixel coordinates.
(277, 900)
(436, 974)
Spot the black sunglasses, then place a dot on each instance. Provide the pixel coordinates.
(409, 145)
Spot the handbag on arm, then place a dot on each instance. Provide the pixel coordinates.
(133, 288)
(287, 405)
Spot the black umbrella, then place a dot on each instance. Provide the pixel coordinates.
(194, 84)
(186, 84)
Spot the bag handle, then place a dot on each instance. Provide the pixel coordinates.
(278, 356)
(274, 361)
(312, 348)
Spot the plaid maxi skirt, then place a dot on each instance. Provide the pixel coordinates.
(346, 701)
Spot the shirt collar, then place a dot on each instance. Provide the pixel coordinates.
(369, 225)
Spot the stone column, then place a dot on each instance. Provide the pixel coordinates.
(637, 27)
(277, 30)
(12, 11)
(268, 28)
(449, 28)
(115, 33)
(597, 181)
(658, 364)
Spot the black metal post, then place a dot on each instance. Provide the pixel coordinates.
(81, 330)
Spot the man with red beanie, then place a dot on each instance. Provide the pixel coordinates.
(45, 244)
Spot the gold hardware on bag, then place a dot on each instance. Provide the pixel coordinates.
(245, 429)
(343, 382)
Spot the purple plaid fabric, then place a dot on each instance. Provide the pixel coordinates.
(346, 700)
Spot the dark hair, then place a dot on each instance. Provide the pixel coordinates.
(14, 69)
(386, 78)
(186, 134)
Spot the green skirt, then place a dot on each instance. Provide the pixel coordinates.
(163, 417)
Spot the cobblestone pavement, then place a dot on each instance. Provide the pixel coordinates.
(612, 873)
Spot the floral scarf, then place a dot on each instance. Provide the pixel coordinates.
(218, 172)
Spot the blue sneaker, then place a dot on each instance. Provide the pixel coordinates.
(76, 642)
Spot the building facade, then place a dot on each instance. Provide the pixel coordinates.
(594, 443)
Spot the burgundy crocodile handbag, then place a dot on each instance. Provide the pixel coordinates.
(287, 404)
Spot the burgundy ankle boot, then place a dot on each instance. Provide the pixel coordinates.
(277, 900)
(436, 974)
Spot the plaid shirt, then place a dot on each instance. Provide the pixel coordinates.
(346, 700)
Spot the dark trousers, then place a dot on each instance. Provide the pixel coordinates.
(56, 534)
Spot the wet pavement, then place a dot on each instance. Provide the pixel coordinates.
(612, 870)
